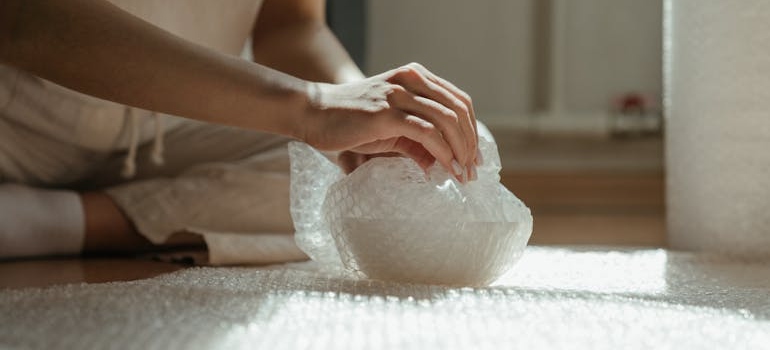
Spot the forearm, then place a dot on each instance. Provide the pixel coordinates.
(96, 48)
(308, 50)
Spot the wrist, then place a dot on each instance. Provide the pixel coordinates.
(300, 107)
(281, 104)
(312, 112)
(308, 109)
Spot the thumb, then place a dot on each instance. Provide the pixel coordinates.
(401, 146)
(414, 150)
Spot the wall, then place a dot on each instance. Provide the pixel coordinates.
(501, 52)
(612, 46)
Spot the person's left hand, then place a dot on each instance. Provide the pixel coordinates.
(349, 160)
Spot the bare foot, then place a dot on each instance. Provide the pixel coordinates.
(108, 230)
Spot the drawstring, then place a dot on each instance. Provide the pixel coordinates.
(129, 163)
(157, 145)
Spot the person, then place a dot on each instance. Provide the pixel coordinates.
(128, 125)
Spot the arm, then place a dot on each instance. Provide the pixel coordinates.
(292, 36)
(96, 48)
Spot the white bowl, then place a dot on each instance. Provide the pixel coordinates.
(435, 252)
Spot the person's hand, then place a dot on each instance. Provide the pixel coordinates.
(349, 160)
(408, 110)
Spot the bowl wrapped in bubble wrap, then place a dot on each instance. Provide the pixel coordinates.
(386, 221)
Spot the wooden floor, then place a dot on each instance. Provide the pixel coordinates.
(587, 189)
(47, 272)
(593, 208)
(581, 190)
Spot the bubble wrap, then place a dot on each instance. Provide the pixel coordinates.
(387, 221)
(717, 98)
(555, 298)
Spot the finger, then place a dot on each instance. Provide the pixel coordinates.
(438, 115)
(459, 94)
(427, 135)
(415, 151)
(473, 147)
(414, 81)
(385, 155)
(349, 161)
(395, 147)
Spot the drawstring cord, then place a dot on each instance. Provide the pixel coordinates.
(157, 145)
(129, 163)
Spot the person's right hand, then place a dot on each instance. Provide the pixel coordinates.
(408, 110)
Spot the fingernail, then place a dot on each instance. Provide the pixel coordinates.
(456, 168)
(465, 176)
(479, 157)
(474, 174)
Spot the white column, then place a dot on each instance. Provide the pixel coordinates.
(717, 103)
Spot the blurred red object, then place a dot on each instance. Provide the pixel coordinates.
(635, 114)
(632, 102)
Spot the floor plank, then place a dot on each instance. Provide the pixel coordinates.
(593, 208)
(53, 271)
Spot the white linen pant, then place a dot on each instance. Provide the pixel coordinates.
(227, 184)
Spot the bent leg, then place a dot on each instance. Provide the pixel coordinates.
(229, 186)
(109, 230)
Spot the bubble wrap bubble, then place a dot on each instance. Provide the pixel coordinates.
(554, 299)
(387, 221)
(717, 97)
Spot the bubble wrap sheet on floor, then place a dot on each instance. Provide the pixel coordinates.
(554, 298)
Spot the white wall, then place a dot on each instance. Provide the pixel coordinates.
(612, 46)
(488, 47)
